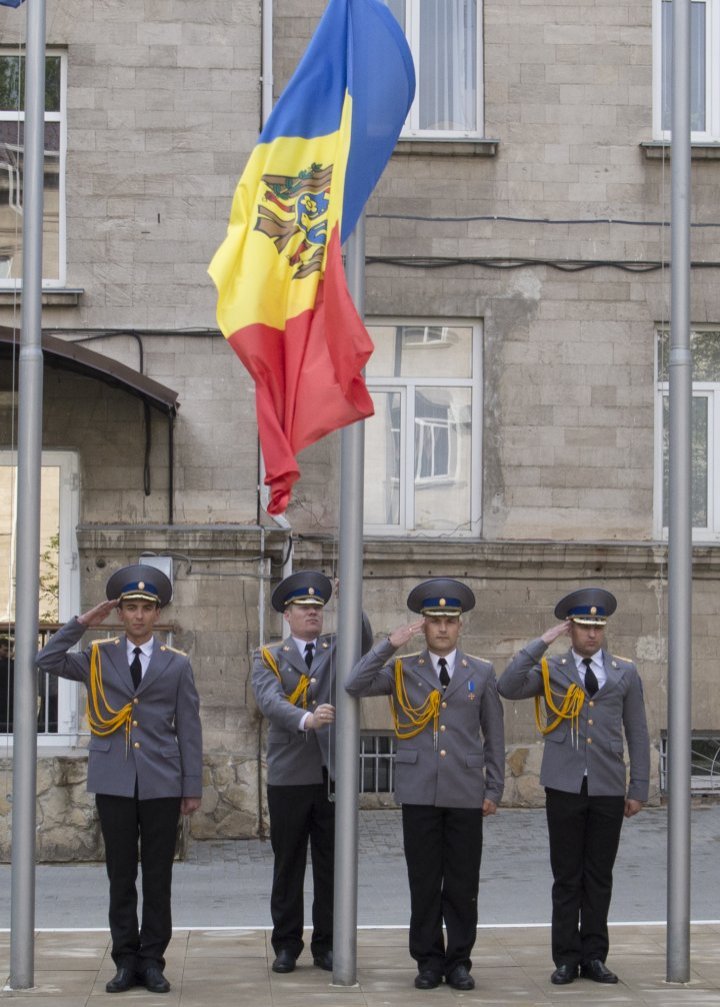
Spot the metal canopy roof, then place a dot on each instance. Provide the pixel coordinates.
(70, 356)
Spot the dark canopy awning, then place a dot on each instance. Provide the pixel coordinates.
(69, 356)
(74, 357)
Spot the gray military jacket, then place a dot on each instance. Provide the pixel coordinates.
(164, 750)
(595, 747)
(294, 756)
(467, 764)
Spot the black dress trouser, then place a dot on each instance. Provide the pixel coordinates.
(125, 822)
(299, 814)
(584, 834)
(443, 848)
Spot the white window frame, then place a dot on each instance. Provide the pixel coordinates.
(406, 387)
(411, 129)
(7, 283)
(700, 389)
(70, 694)
(711, 134)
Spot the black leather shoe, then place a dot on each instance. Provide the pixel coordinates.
(125, 979)
(323, 960)
(563, 975)
(427, 980)
(597, 971)
(154, 980)
(284, 961)
(460, 979)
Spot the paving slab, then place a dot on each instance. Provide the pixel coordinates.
(221, 955)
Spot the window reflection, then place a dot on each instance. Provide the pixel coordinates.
(418, 446)
(12, 154)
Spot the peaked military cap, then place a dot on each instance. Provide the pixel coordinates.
(140, 582)
(590, 606)
(306, 587)
(441, 596)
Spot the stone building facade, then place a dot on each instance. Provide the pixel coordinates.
(517, 285)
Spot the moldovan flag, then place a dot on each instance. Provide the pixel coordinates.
(283, 303)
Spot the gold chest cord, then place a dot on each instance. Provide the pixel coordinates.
(569, 709)
(301, 689)
(97, 707)
(416, 718)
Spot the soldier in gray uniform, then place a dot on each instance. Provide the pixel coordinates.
(449, 772)
(294, 685)
(144, 760)
(591, 699)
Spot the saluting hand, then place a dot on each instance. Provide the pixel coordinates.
(94, 616)
(559, 629)
(400, 636)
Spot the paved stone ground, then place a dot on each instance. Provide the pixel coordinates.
(231, 968)
(228, 883)
(220, 954)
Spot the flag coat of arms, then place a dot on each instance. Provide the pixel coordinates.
(283, 303)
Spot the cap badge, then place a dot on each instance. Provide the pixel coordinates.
(593, 610)
(311, 590)
(141, 585)
(442, 603)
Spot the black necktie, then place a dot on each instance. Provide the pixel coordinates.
(591, 682)
(309, 654)
(136, 668)
(444, 677)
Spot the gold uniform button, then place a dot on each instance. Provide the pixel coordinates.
(591, 702)
(590, 723)
(589, 741)
(136, 701)
(136, 745)
(314, 702)
(134, 723)
(313, 680)
(443, 753)
(444, 705)
(442, 727)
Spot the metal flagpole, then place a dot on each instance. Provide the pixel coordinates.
(350, 564)
(680, 519)
(27, 562)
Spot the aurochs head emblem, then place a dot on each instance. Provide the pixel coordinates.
(297, 224)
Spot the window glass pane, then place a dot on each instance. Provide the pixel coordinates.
(12, 83)
(11, 96)
(705, 347)
(442, 458)
(12, 149)
(12, 154)
(419, 351)
(700, 428)
(49, 588)
(698, 12)
(699, 462)
(447, 65)
(382, 460)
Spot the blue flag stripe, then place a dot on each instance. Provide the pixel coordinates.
(360, 49)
